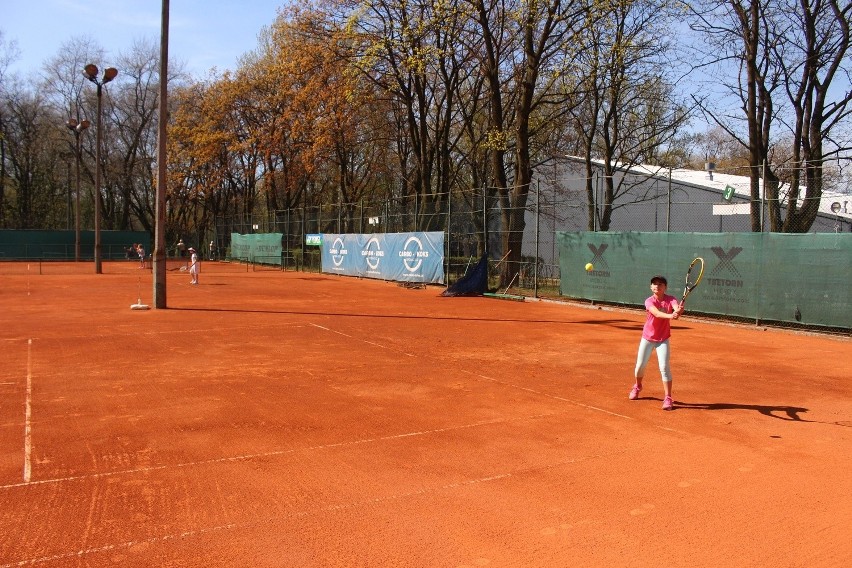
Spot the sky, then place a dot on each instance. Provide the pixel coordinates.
(202, 33)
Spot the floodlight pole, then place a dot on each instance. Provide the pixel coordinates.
(77, 128)
(91, 73)
(159, 265)
(99, 141)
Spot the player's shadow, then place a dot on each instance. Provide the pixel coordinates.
(780, 412)
(609, 322)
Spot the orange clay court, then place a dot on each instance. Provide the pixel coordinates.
(271, 419)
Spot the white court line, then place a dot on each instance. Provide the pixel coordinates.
(575, 402)
(28, 415)
(554, 397)
(307, 513)
(514, 386)
(128, 331)
(359, 339)
(331, 330)
(246, 457)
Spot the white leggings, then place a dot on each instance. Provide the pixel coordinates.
(645, 348)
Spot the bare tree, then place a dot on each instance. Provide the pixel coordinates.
(8, 53)
(811, 62)
(36, 195)
(788, 56)
(626, 111)
(410, 51)
(521, 42)
(134, 115)
(736, 33)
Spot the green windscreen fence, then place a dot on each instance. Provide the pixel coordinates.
(263, 248)
(802, 278)
(61, 245)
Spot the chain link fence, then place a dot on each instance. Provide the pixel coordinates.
(478, 219)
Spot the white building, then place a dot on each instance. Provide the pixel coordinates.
(656, 199)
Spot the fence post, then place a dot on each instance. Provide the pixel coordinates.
(595, 202)
(669, 205)
(449, 237)
(287, 236)
(537, 235)
(763, 198)
(484, 219)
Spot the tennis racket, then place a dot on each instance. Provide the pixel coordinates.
(693, 277)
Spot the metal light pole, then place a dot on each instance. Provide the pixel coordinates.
(68, 196)
(159, 267)
(90, 71)
(77, 128)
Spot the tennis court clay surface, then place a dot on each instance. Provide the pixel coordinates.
(271, 419)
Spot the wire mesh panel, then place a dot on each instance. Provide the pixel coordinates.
(518, 228)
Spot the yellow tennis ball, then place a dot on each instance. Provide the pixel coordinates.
(589, 267)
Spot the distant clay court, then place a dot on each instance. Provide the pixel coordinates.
(285, 419)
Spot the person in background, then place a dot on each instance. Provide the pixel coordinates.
(193, 267)
(212, 251)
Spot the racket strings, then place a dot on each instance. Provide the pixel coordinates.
(693, 276)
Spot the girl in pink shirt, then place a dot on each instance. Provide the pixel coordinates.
(660, 309)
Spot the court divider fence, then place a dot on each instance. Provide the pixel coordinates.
(61, 245)
(473, 220)
(476, 219)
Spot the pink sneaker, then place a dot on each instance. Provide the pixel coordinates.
(634, 392)
(668, 403)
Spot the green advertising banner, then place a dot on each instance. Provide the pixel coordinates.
(264, 248)
(801, 278)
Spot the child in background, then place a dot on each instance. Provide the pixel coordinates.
(193, 268)
(661, 308)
